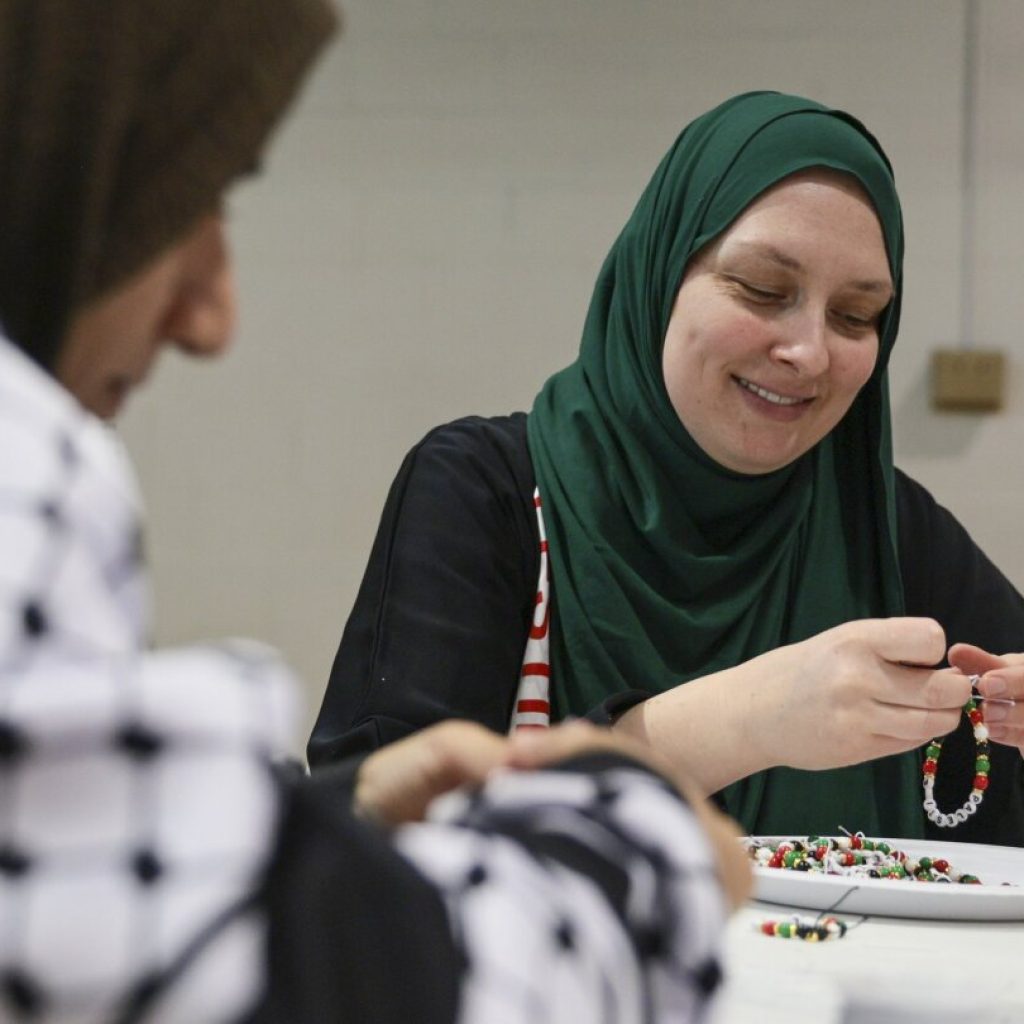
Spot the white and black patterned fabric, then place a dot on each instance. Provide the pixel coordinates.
(576, 895)
(150, 871)
(136, 804)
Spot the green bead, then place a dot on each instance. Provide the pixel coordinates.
(925, 863)
(790, 859)
(933, 750)
(982, 764)
(884, 848)
(785, 929)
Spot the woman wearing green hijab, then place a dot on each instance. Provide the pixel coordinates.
(717, 508)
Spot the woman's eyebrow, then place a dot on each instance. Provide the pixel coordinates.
(769, 252)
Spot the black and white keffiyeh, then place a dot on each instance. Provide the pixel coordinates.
(584, 895)
(136, 803)
(138, 810)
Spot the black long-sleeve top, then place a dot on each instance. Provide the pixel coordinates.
(440, 622)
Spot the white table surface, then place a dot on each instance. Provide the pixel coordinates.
(884, 971)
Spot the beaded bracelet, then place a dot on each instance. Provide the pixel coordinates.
(808, 929)
(982, 764)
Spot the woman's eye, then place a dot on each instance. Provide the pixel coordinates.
(857, 321)
(759, 293)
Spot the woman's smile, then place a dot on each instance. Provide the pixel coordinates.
(776, 404)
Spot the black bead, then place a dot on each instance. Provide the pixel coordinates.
(477, 875)
(139, 742)
(33, 620)
(22, 993)
(147, 867)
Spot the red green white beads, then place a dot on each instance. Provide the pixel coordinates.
(852, 856)
(810, 930)
(982, 763)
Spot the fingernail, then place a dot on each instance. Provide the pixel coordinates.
(995, 712)
(993, 686)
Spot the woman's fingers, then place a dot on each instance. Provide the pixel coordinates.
(904, 640)
(1002, 680)
(396, 783)
(944, 689)
(973, 660)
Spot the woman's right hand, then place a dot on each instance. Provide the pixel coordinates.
(856, 692)
(862, 690)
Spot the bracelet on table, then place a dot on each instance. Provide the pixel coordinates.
(808, 929)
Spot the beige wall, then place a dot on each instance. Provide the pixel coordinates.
(425, 240)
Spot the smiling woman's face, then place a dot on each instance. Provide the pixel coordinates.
(775, 327)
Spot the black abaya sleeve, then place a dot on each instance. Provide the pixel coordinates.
(439, 625)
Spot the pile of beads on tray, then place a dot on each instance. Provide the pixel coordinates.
(809, 929)
(852, 856)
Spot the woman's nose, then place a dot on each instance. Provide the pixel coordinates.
(202, 321)
(803, 343)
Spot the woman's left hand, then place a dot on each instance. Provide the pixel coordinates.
(1002, 676)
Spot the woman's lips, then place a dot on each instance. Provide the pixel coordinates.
(773, 403)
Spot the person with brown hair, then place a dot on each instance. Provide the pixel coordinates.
(155, 864)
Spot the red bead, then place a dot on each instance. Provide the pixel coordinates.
(776, 861)
(930, 766)
(981, 782)
(975, 716)
(819, 853)
(941, 865)
(849, 859)
(856, 842)
(768, 928)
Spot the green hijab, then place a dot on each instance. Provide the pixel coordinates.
(665, 565)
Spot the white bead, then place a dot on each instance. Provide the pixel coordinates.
(980, 733)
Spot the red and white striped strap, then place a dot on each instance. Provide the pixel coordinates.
(532, 709)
